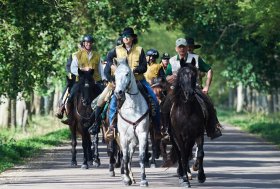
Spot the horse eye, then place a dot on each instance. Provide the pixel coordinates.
(126, 74)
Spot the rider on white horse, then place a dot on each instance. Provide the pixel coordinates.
(137, 62)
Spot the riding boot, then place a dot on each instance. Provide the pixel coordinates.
(213, 126)
(59, 114)
(93, 130)
(69, 112)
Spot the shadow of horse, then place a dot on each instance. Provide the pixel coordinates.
(187, 123)
(81, 116)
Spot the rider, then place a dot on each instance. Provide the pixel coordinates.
(104, 96)
(84, 59)
(137, 62)
(181, 59)
(154, 70)
(70, 79)
(165, 63)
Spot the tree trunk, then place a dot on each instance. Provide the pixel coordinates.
(4, 112)
(269, 99)
(36, 104)
(230, 98)
(13, 114)
(240, 98)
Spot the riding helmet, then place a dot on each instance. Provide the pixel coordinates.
(165, 56)
(153, 53)
(88, 38)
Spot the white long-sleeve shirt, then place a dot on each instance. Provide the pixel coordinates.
(75, 65)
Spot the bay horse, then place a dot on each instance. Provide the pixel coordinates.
(187, 123)
(133, 120)
(82, 115)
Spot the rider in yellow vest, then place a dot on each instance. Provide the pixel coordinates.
(104, 97)
(70, 79)
(154, 69)
(137, 62)
(84, 59)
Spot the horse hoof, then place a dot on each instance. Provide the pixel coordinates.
(153, 165)
(84, 166)
(74, 164)
(201, 177)
(189, 176)
(96, 163)
(184, 182)
(127, 181)
(112, 173)
(118, 165)
(144, 183)
(195, 167)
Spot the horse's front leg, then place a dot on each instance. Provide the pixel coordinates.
(111, 150)
(126, 179)
(95, 152)
(183, 161)
(142, 154)
(198, 165)
(73, 145)
(86, 146)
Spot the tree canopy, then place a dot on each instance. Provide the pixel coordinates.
(37, 36)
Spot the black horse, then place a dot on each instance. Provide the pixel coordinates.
(187, 123)
(81, 115)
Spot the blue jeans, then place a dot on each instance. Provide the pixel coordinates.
(156, 118)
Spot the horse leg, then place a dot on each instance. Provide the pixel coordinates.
(126, 179)
(200, 155)
(119, 157)
(147, 155)
(142, 150)
(73, 145)
(183, 163)
(154, 150)
(163, 147)
(85, 148)
(95, 141)
(111, 153)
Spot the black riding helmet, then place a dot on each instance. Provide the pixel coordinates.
(153, 53)
(88, 38)
(165, 56)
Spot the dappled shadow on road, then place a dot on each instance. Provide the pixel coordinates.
(235, 160)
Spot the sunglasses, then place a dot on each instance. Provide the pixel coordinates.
(126, 36)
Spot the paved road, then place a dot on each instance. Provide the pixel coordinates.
(235, 160)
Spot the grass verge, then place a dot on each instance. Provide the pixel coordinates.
(266, 126)
(16, 145)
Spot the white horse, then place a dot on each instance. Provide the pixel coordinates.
(133, 120)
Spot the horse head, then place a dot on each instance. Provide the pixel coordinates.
(186, 81)
(123, 78)
(86, 83)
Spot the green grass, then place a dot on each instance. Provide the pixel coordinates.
(266, 126)
(16, 146)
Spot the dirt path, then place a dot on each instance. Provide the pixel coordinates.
(235, 160)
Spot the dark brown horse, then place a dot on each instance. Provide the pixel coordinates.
(187, 123)
(81, 115)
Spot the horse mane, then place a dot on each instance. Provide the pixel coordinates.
(185, 82)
